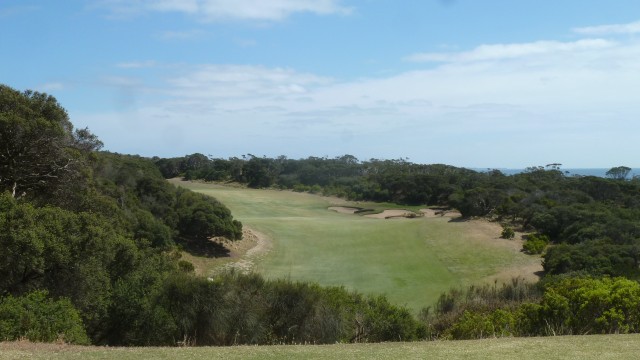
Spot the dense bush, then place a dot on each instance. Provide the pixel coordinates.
(234, 308)
(535, 243)
(457, 310)
(38, 318)
(568, 306)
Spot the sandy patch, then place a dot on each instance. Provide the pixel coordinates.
(530, 273)
(246, 262)
(387, 214)
(344, 209)
(489, 232)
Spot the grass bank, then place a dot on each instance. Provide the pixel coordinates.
(619, 347)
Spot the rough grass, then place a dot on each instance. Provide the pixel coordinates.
(599, 347)
(412, 261)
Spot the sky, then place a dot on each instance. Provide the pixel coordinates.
(473, 83)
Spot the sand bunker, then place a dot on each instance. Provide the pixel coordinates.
(398, 213)
(388, 214)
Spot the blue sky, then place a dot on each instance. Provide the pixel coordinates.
(476, 83)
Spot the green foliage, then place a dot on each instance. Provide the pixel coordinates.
(246, 309)
(535, 244)
(97, 229)
(469, 314)
(568, 306)
(201, 217)
(35, 136)
(596, 258)
(587, 305)
(473, 325)
(38, 318)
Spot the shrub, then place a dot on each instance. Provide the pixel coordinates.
(535, 244)
(39, 318)
(186, 266)
(507, 233)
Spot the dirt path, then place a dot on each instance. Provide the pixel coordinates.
(246, 261)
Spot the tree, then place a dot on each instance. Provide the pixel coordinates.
(35, 134)
(84, 139)
(201, 217)
(618, 172)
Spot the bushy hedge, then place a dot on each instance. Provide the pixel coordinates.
(234, 308)
(568, 306)
(38, 318)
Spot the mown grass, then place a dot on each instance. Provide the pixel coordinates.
(594, 347)
(412, 261)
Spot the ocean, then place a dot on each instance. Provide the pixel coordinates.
(599, 172)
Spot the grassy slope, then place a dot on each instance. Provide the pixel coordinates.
(599, 347)
(412, 261)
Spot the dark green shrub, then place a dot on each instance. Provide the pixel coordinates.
(186, 266)
(507, 233)
(39, 318)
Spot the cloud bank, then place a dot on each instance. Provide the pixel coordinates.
(630, 28)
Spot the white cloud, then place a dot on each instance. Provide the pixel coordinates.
(242, 82)
(630, 28)
(512, 51)
(496, 105)
(224, 10)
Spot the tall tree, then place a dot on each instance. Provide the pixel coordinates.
(619, 172)
(35, 139)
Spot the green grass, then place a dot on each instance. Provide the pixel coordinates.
(596, 347)
(412, 261)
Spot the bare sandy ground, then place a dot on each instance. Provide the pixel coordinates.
(247, 259)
